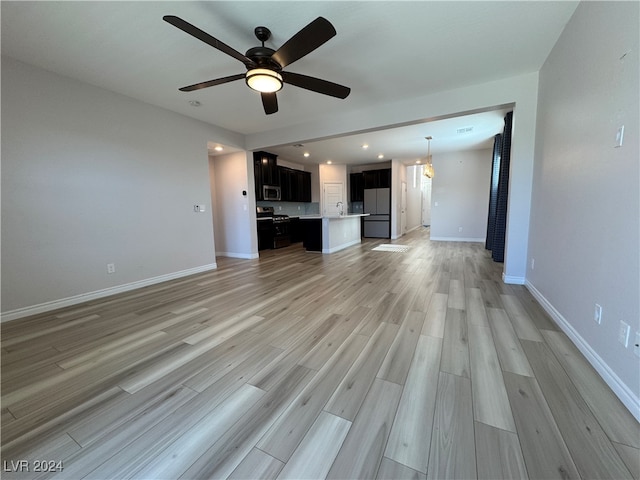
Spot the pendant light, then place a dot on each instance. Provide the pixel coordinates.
(427, 169)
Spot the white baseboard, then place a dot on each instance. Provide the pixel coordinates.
(457, 239)
(510, 279)
(85, 297)
(248, 256)
(626, 396)
(341, 247)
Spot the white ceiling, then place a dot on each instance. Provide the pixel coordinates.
(384, 50)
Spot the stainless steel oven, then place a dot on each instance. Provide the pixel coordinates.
(281, 235)
(273, 230)
(270, 192)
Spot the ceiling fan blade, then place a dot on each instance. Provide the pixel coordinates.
(316, 85)
(269, 102)
(206, 38)
(305, 41)
(211, 83)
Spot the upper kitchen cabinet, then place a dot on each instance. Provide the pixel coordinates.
(356, 187)
(265, 170)
(295, 185)
(377, 178)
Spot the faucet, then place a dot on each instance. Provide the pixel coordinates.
(340, 205)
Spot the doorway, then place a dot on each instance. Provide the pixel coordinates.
(332, 198)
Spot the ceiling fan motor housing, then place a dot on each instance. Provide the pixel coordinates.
(261, 56)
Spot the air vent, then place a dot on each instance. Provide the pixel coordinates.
(464, 130)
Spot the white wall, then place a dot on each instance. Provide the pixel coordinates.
(521, 92)
(414, 196)
(333, 173)
(585, 204)
(90, 177)
(460, 188)
(398, 175)
(234, 215)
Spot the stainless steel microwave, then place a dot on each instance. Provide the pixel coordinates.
(270, 192)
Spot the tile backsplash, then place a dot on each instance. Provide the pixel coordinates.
(292, 208)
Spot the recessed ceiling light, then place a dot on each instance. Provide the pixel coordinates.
(306, 154)
(195, 103)
(329, 162)
(418, 162)
(381, 156)
(365, 146)
(218, 148)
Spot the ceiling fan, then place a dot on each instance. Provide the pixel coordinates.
(264, 65)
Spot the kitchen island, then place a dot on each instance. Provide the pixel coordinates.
(329, 234)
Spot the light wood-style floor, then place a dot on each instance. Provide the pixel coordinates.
(359, 364)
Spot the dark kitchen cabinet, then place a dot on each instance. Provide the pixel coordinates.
(286, 187)
(356, 187)
(384, 178)
(265, 171)
(304, 179)
(311, 234)
(295, 230)
(377, 178)
(295, 185)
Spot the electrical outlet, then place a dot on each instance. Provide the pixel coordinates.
(623, 333)
(111, 268)
(597, 314)
(459, 229)
(636, 345)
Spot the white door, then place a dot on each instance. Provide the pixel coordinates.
(426, 201)
(333, 200)
(403, 208)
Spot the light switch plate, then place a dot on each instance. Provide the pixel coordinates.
(597, 314)
(623, 333)
(619, 136)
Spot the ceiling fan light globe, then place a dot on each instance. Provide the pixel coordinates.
(263, 80)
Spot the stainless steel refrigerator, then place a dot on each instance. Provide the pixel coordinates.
(377, 203)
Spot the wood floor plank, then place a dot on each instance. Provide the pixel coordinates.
(616, 420)
(317, 451)
(591, 449)
(324, 350)
(390, 470)
(348, 397)
(544, 450)
(436, 314)
(476, 314)
(396, 363)
(455, 348)
(98, 454)
(490, 401)
(523, 325)
(510, 353)
(174, 460)
(456, 294)
(498, 453)
(225, 455)
(257, 464)
(631, 458)
(452, 450)
(362, 450)
(409, 439)
(287, 432)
